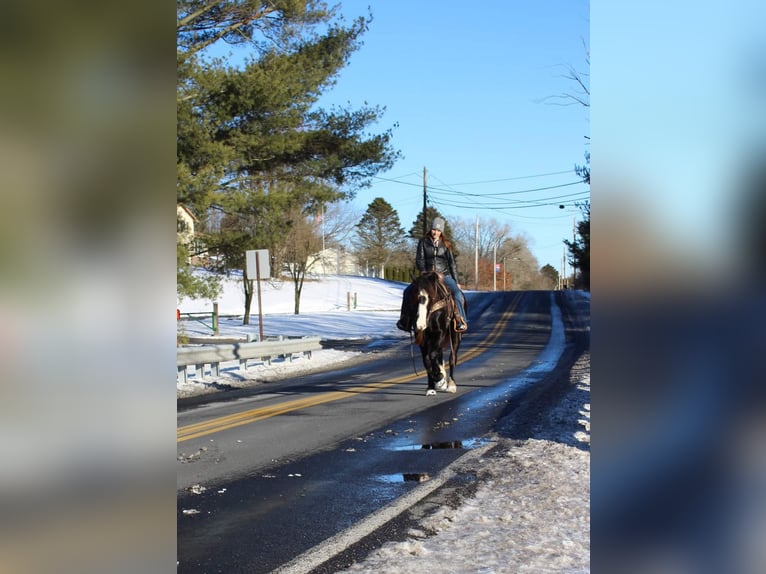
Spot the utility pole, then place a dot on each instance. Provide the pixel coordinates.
(324, 272)
(574, 242)
(476, 257)
(425, 223)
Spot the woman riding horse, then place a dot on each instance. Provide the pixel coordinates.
(434, 332)
(434, 253)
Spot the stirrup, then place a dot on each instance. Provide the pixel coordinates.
(461, 326)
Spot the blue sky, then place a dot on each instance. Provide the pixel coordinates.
(466, 88)
(678, 120)
(677, 114)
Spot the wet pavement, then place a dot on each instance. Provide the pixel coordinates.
(256, 522)
(251, 524)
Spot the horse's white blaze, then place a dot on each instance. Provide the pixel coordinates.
(420, 323)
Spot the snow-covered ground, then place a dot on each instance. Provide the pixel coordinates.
(530, 513)
(531, 510)
(335, 307)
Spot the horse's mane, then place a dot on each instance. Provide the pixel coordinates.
(433, 283)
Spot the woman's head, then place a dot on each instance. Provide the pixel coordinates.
(437, 229)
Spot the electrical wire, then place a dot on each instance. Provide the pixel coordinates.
(503, 194)
(537, 203)
(447, 196)
(513, 178)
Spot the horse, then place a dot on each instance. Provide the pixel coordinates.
(434, 311)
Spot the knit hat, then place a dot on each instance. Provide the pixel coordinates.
(438, 224)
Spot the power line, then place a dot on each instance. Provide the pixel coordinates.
(502, 194)
(463, 193)
(443, 197)
(496, 201)
(476, 182)
(514, 178)
(520, 204)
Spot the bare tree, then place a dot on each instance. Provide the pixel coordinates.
(581, 82)
(497, 244)
(302, 243)
(338, 224)
(491, 234)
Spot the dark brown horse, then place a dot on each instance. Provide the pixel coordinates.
(432, 307)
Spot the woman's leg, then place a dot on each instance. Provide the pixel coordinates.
(458, 296)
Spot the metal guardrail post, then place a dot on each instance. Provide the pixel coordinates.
(241, 352)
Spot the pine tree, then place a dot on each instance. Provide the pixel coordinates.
(252, 144)
(579, 249)
(549, 272)
(379, 234)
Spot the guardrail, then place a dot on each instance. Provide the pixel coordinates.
(214, 355)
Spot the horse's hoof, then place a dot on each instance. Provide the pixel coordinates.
(452, 387)
(441, 385)
(430, 393)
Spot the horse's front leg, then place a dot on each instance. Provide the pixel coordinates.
(439, 373)
(451, 386)
(430, 389)
(432, 361)
(443, 383)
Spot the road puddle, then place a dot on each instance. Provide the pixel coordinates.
(450, 444)
(403, 477)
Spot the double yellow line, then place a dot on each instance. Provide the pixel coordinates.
(211, 426)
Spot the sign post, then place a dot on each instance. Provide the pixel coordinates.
(257, 267)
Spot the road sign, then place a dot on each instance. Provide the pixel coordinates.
(263, 270)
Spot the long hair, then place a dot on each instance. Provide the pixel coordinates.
(442, 239)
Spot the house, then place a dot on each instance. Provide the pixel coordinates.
(333, 261)
(185, 222)
(186, 234)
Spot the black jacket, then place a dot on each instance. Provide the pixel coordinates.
(432, 257)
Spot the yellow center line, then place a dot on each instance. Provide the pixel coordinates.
(211, 426)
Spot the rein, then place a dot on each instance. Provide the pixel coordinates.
(412, 354)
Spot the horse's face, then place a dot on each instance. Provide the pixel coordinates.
(423, 297)
(424, 301)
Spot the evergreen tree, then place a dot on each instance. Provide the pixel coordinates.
(549, 273)
(379, 234)
(579, 249)
(251, 142)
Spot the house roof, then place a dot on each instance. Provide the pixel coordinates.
(182, 207)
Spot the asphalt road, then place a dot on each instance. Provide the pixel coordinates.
(266, 475)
